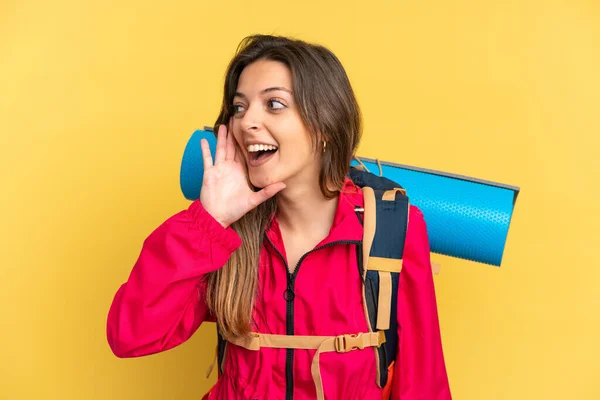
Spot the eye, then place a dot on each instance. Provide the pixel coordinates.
(236, 108)
(274, 102)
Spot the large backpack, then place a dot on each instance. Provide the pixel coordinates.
(385, 221)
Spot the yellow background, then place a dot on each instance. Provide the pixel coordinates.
(98, 99)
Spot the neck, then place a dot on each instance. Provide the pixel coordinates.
(302, 208)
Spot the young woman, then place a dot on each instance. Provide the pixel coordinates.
(269, 251)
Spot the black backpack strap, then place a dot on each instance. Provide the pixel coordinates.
(385, 223)
(362, 178)
(221, 348)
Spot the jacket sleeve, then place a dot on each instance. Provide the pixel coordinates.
(420, 371)
(163, 302)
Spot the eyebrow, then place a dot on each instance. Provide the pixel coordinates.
(267, 90)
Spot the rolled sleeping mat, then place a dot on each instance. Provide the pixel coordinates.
(466, 217)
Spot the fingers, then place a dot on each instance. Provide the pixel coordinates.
(221, 144)
(206, 156)
(266, 193)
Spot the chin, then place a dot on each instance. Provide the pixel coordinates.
(262, 180)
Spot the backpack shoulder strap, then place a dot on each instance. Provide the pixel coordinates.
(385, 223)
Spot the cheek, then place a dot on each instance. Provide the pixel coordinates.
(236, 134)
(300, 140)
(296, 151)
(239, 146)
(304, 147)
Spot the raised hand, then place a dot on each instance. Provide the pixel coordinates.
(225, 192)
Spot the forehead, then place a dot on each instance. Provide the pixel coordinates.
(263, 74)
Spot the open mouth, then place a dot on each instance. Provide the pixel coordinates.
(261, 151)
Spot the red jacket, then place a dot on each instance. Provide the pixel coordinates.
(161, 305)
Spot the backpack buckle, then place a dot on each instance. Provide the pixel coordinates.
(346, 343)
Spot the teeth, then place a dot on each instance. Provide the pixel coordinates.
(253, 148)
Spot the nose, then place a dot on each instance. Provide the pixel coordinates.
(251, 121)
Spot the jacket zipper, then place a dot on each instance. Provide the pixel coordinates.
(289, 296)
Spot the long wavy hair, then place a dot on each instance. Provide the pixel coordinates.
(328, 108)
